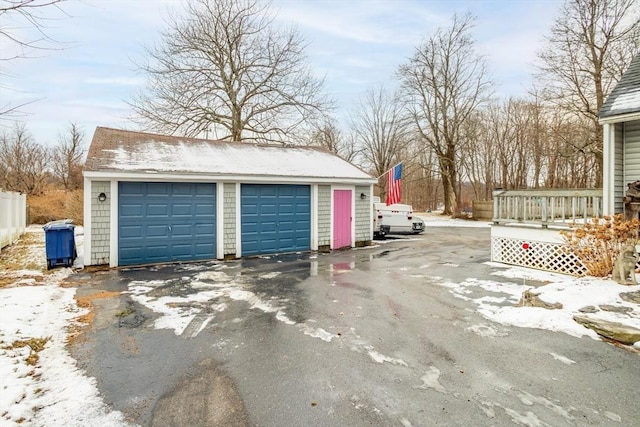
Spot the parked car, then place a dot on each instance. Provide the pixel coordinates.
(395, 219)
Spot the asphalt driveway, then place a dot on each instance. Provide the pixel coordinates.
(353, 338)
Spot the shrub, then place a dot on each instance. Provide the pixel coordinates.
(598, 242)
(56, 204)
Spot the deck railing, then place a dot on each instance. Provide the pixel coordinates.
(556, 207)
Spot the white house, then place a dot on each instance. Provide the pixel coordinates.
(620, 119)
(527, 223)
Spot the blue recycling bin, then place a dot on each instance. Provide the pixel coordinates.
(60, 243)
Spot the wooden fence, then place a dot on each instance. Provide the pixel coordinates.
(13, 217)
(546, 207)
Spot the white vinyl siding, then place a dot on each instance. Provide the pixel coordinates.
(631, 153)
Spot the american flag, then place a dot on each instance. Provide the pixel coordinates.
(394, 181)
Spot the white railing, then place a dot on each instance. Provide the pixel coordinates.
(546, 207)
(13, 217)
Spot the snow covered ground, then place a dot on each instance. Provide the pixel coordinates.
(435, 219)
(44, 387)
(51, 390)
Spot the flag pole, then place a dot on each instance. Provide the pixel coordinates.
(391, 168)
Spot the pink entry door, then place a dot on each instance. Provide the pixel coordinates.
(341, 218)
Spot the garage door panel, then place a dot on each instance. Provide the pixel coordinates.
(250, 210)
(205, 192)
(182, 230)
(157, 230)
(268, 209)
(285, 226)
(205, 247)
(133, 189)
(182, 189)
(181, 209)
(275, 218)
(155, 189)
(181, 250)
(302, 209)
(286, 209)
(157, 210)
(205, 230)
(132, 231)
(163, 222)
(131, 211)
(286, 190)
(205, 210)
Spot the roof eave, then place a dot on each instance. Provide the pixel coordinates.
(205, 177)
(617, 118)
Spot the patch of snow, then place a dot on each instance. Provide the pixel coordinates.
(47, 393)
(381, 358)
(281, 316)
(562, 359)
(613, 417)
(405, 422)
(485, 330)
(573, 293)
(529, 399)
(528, 418)
(434, 220)
(317, 332)
(214, 276)
(224, 158)
(626, 101)
(431, 379)
(271, 275)
(528, 273)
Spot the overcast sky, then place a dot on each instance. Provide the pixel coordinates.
(353, 44)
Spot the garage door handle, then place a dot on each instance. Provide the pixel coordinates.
(169, 227)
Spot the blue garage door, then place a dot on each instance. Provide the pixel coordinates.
(275, 218)
(165, 221)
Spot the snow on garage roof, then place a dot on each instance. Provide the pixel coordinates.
(114, 150)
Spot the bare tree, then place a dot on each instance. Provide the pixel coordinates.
(590, 45)
(478, 164)
(445, 81)
(22, 162)
(67, 157)
(22, 32)
(381, 130)
(224, 68)
(327, 135)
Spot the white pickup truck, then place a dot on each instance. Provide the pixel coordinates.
(394, 219)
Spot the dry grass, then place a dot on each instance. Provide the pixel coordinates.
(86, 301)
(56, 204)
(36, 345)
(28, 253)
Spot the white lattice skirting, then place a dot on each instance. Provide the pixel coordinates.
(539, 255)
(538, 248)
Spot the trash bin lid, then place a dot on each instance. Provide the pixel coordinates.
(61, 224)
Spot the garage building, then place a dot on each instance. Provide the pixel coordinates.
(154, 198)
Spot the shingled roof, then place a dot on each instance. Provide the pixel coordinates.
(625, 97)
(121, 151)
